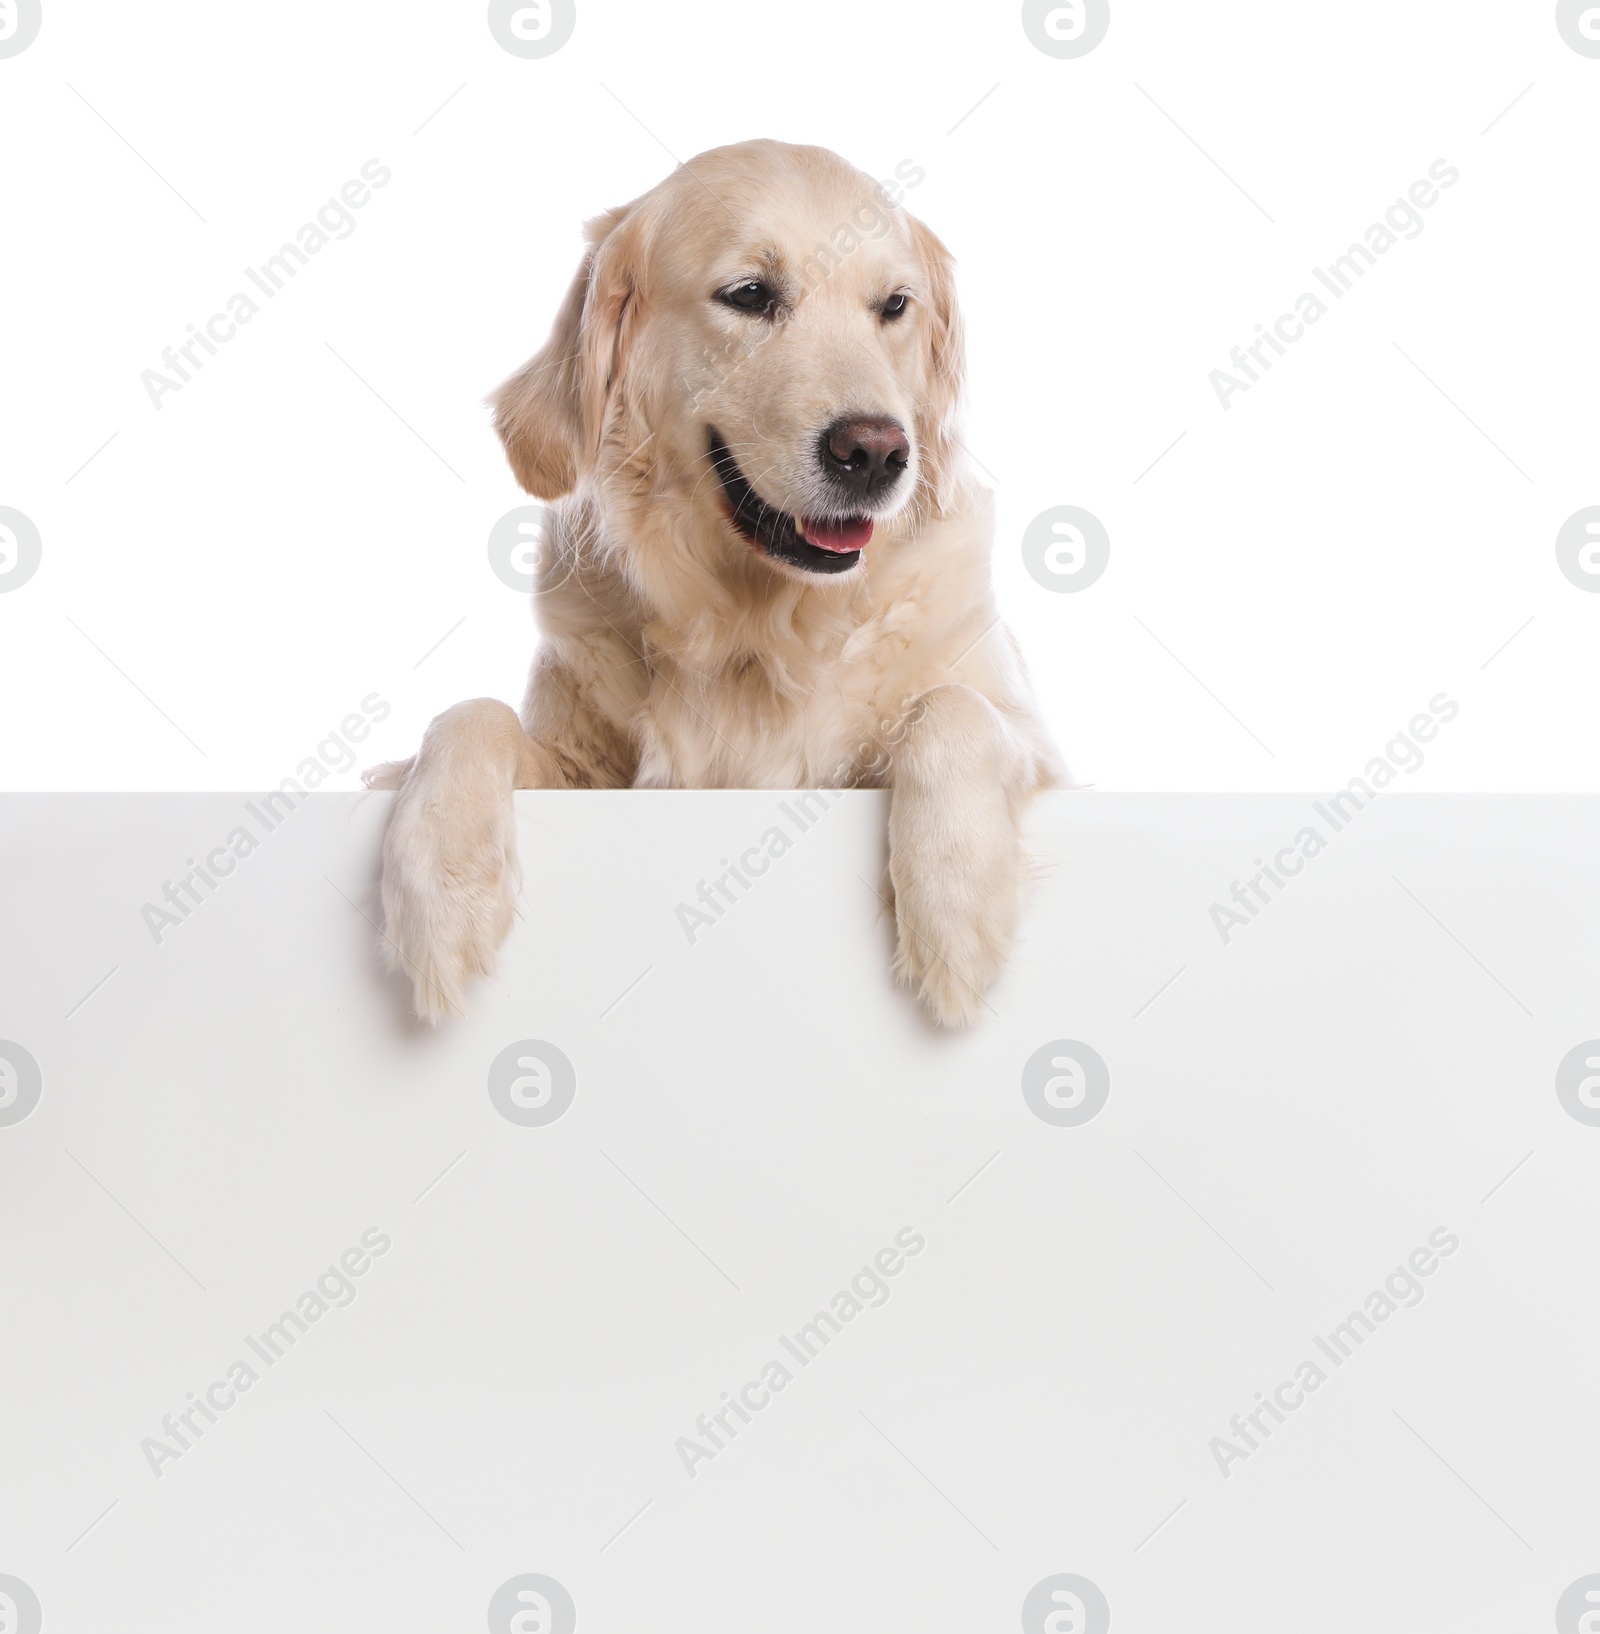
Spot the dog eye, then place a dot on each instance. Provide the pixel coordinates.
(895, 307)
(751, 297)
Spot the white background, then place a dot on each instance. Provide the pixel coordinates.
(1335, 549)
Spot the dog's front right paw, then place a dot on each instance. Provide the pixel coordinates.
(450, 883)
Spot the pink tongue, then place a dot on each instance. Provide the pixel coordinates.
(839, 537)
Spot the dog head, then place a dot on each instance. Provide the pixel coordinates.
(765, 347)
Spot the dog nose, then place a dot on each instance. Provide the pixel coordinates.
(866, 457)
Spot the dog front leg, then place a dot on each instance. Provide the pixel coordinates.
(955, 850)
(450, 869)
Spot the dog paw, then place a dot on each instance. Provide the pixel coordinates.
(950, 990)
(450, 885)
(957, 894)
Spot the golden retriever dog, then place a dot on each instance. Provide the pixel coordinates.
(766, 567)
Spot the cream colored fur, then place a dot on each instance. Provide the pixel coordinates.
(678, 655)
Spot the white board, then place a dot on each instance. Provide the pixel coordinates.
(1079, 1308)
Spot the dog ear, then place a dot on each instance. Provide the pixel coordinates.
(551, 414)
(946, 365)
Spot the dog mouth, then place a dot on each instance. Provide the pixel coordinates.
(814, 544)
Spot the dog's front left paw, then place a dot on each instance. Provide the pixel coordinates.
(957, 894)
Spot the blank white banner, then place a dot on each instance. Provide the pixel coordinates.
(1236, 1272)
